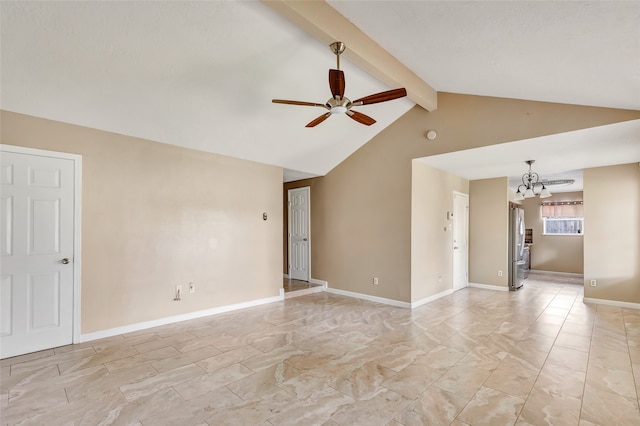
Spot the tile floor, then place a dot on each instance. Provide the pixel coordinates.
(297, 285)
(477, 357)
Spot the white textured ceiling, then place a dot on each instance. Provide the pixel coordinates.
(195, 74)
(202, 74)
(575, 52)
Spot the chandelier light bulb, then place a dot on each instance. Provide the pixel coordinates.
(545, 192)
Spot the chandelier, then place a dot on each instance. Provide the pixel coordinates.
(531, 185)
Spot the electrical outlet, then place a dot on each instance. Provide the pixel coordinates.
(375, 281)
(192, 288)
(593, 283)
(499, 273)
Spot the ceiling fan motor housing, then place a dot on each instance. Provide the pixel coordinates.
(338, 106)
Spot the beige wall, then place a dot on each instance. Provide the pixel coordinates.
(612, 232)
(364, 203)
(155, 215)
(555, 253)
(431, 240)
(489, 231)
(181, 221)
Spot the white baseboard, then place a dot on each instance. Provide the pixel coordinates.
(369, 297)
(323, 283)
(430, 298)
(177, 318)
(285, 276)
(566, 274)
(617, 303)
(303, 292)
(489, 287)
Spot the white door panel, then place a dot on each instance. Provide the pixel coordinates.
(37, 233)
(6, 298)
(6, 218)
(43, 300)
(44, 226)
(299, 244)
(460, 241)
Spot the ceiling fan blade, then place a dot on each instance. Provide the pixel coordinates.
(283, 101)
(336, 83)
(318, 120)
(360, 117)
(381, 97)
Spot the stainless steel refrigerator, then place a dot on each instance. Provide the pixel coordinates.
(516, 248)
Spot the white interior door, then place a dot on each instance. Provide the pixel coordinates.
(37, 238)
(460, 240)
(299, 243)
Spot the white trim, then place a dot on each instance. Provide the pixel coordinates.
(177, 318)
(612, 303)
(308, 189)
(324, 284)
(77, 224)
(77, 248)
(303, 292)
(369, 298)
(285, 276)
(39, 152)
(489, 287)
(381, 299)
(567, 274)
(431, 298)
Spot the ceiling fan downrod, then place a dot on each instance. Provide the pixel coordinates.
(337, 47)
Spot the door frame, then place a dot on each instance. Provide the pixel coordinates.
(466, 219)
(308, 198)
(77, 223)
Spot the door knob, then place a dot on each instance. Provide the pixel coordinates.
(304, 239)
(65, 261)
(455, 247)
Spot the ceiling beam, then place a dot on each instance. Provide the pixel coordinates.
(322, 21)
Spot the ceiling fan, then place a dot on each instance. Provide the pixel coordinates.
(338, 103)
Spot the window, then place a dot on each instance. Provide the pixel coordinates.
(562, 226)
(562, 218)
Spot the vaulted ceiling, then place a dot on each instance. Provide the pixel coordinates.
(202, 74)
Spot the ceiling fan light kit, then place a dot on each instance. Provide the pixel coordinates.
(531, 185)
(338, 103)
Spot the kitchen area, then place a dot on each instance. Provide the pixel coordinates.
(535, 245)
